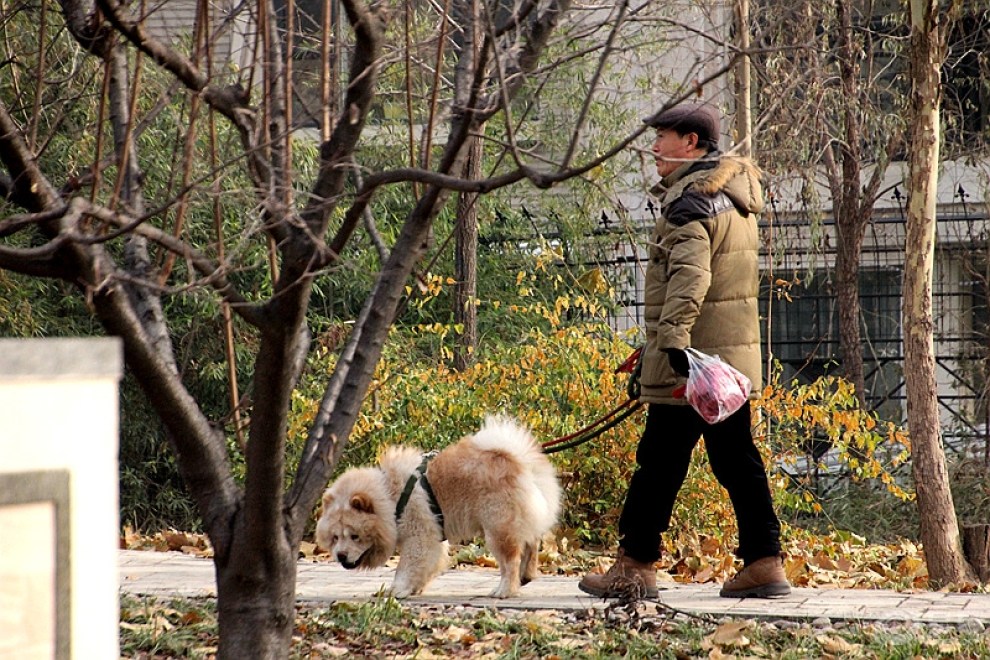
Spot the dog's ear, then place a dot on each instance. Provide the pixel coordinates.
(362, 503)
(327, 499)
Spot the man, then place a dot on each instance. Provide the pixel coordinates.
(701, 291)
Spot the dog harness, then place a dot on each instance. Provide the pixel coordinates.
(420, 475)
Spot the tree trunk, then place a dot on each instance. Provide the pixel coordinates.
(256, 602)
(976, 546)
(743, 82)
(852, 212)
(468, 41)
(850, 242)
(939, 528)
(466, 263)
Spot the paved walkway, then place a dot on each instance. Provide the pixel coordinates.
(173, 573)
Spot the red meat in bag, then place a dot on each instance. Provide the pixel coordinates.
(714, 388)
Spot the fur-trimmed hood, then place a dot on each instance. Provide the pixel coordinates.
(737, 177)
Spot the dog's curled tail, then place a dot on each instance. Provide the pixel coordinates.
(503, 433)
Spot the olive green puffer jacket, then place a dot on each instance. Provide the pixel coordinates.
(702, 279)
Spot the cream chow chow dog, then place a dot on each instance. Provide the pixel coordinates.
(497, 484)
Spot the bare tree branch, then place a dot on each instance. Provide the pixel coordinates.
(201, 449)
(212, 272)
(15, 223)
(29, 186)
(41, 261)
(337, 152)
(593, 83)
(230, 101)
(86, 26)
(519, 14)
(369, 220)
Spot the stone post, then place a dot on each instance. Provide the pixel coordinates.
(59, 497)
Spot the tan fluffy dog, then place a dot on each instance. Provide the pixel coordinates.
(496, 483)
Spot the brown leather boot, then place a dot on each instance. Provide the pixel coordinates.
(764, 578)
(627, 578)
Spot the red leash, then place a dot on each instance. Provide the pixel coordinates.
(593, 430)
(592, 426)
(603, 423)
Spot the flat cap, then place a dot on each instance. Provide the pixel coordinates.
(690, 117)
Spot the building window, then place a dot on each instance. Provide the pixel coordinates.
(804, 328)
(966, 74)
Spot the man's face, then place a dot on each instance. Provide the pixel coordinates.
(671, 149)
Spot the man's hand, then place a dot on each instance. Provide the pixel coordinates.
(678, 361)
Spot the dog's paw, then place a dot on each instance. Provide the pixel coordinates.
(405, 590)
(501, 592)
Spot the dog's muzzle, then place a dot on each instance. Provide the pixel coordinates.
(349, 565)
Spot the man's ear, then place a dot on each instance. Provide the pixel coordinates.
(693, 140)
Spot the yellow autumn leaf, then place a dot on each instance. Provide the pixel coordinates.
(836, 644)
(732, 634)
(718, 654)
(912, 566)
(593, 281)
(710, 546)
(821, 560)
(326, 650)
(452, 634)
(307, 549)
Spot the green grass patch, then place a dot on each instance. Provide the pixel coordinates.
(383, 627)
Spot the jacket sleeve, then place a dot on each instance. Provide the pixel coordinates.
(688, 278)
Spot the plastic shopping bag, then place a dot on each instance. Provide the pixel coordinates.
(714, 388)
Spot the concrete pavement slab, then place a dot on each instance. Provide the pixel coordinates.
(175, 574)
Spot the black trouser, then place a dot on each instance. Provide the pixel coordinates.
(664, 454)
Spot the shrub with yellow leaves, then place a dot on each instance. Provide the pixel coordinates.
(557, 381)
(802, 424)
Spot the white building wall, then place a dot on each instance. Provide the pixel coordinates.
(58, 417)
(230, 33)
